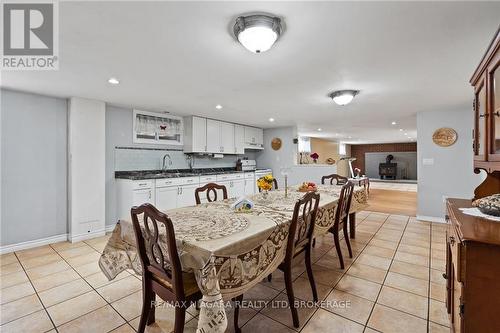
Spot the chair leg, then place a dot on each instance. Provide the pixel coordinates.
(314, 242)
(151, 317)
(291, 297)
(270, 277)
(237, 304)
(147, 298)
(310, 275)
(346, 237)
(180, 317)
(337, 246)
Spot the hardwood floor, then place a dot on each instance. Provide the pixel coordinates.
(393, 202)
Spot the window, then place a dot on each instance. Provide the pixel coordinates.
(304, 144)
(342, 150)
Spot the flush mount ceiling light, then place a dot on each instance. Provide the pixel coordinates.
(113, 80)
(271, 120)
(257, 33)
(343, 97)
(218, 106)
(393, 123)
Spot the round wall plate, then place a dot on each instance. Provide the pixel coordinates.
(276, 143)
(445, 136)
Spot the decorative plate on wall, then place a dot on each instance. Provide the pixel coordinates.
(276, 144)
(444, 136)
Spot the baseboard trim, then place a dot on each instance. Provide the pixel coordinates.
(431, 218)
(87, 235)
(33, 243)
(110, 227)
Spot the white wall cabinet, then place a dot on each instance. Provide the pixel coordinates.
(239, 139)
(157, 128)
(254, 138)
(195, 135)
(202, 135)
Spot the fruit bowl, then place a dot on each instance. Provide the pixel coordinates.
(308, 187)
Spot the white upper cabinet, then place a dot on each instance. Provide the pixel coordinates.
(195, 139)
(254, 138)
(239, 139)
(227, 138)
(157, 128)
(212, 136)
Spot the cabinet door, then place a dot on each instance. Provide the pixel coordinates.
(227, 137)
(237, 188)
(239, 139)
(213, 136)
(249, 187)
(140, 197)
(494, 106)
(480, 139)
(250, 135)
(199, 134)
(259, 136)
(185, 197)
(166, 197)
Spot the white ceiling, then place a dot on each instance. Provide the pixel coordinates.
(405, 57)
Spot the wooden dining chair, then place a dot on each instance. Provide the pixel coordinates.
(341, 216)
(274, 187)
(161, 267)
(339, 180)
(300, 238)
(210, 189)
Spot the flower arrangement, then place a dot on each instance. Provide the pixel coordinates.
(357, 171)
(265, 183)
(315, 157)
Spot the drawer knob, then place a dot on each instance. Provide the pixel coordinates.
(452, 240)
(445, 276)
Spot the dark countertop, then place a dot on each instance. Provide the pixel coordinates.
(172, 173)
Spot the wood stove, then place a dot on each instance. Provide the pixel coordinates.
(388, 170)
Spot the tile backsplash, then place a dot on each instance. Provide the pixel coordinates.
(130, 159)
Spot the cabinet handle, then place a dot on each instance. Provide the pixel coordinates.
(452, 240)
(447, 218)
(143, 184)
(485, 115)
(149, 194)
(445, 276)
(497, 113)
(205, 148)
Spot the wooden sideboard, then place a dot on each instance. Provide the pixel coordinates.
(472, 270)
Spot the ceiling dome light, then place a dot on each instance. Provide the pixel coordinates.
(257, 33)
(113, 80)
(218, 106)
(343, 97)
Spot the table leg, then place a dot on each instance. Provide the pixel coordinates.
(352, 225)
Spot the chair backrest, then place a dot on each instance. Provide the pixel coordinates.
(211, 190)
(274, 187)
(340, 180)
(303, 220)
(344, 204)
(157, 247)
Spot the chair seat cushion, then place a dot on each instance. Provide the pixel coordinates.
(188, 279)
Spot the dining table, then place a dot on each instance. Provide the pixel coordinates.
(228, 251)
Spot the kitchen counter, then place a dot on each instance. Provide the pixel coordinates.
(173, 173)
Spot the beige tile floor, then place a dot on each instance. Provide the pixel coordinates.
(393, 284)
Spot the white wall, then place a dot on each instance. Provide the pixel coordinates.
(34, 167)
(452, 173)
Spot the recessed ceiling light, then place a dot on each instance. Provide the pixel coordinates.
(257, 33)
(401, 130)
(320, 129)
(343, 97)
(393, 123)
(113, 80)
(271, 119)
(349, 137)
(218, 106)
(406, 134)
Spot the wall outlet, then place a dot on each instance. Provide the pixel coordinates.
(427, 161)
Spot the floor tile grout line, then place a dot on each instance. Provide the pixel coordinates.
(429, 283)
(38, 297)
(93, 289)
(385, 278)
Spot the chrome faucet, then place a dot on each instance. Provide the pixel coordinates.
(164, 167)
(190, 159)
